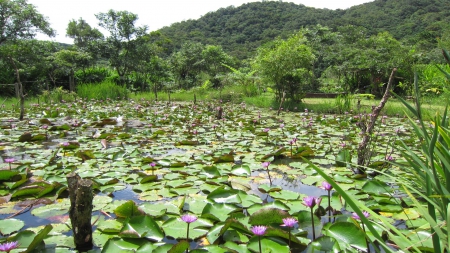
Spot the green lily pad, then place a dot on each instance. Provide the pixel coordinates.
(376, 187)
(269, 244)
(142, 227)
(222, 195)
(347, 234)
(128, 209)
(218, 211)
(8, 226)
(176, 228)
(268, 216)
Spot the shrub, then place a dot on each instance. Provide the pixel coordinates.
(57, 95)
(93, 75)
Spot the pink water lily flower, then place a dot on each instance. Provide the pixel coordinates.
(289, 222)
(327, 186)
(188, 218)
(259, 230)
(8, 246)
(311, 202)
(356, 216)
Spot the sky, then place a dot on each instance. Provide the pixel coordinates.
(154, 14)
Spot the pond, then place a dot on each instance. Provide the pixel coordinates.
(168, 160)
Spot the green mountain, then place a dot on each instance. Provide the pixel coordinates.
(240, 30)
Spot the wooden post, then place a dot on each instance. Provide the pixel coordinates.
(80, 213)
(219, 113)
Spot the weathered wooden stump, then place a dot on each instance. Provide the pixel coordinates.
(80, 213)
(219, 113)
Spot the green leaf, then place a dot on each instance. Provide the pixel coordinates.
(268, 216)
(218, 211)
(211, 171)
(376, 187)
(343, 158)
(176, 228)
(128, 209)
(275, 204)
(226, 158)
(8, 226)
(7, 174)
(222, 195)
(268, 244)
(180, 247)
(39, 238)
(241, 170)
(324, 244)
(115, 245)
(150, 178)
(347, 235)
(142, 227)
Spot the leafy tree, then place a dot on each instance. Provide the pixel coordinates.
(244, 77)
(286, 64)
(144, 64)
(366, 61)
(82, 33)
(159, 73)
(124, 41)
(25, 58)
(213, 59)
(186, 65)
(20, 20)
(321, 39)
(69, 61)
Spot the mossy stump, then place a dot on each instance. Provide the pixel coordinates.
(80, 213)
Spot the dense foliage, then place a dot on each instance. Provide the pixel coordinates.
(240, 30)
(339, 50)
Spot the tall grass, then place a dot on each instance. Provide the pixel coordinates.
(426, 178)
(103, 90)
(431, 168)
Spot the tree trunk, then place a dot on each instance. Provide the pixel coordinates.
(72, 81)
(81, 196)
(281, 103)
(19, 89)
(367, 129)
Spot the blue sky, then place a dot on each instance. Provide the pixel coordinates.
(154, 14)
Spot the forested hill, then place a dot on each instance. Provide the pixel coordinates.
(240, 30)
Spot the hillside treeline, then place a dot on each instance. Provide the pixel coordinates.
(286, 47)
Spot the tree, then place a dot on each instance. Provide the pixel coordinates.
(287, 65)
(187, 64)
(244, 77)
(122, 45)
(321, 39)
(213, 59)
(70, 61)
(25, 58)
(366, 61)
(82, 33)
(158, 74)
(19, 20)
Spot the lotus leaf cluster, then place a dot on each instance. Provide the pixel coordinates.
(153, 162)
